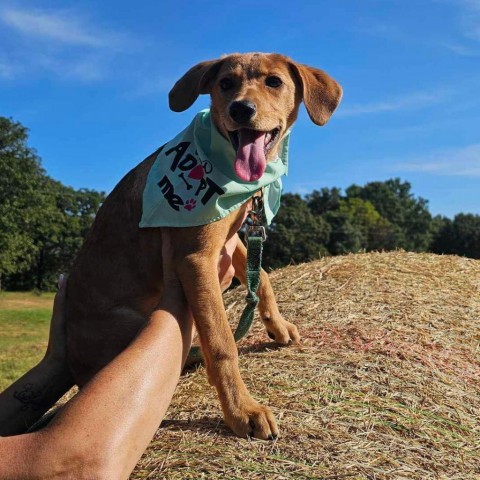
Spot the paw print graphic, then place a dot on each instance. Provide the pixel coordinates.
(190, 204)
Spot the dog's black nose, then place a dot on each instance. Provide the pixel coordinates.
(242, 111)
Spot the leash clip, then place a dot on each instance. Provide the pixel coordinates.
(257, 231)
(255, 218)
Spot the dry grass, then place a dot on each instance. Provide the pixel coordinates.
(386, 384)
(25, 300)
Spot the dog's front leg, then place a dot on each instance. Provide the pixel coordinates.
(278, 329)
(196, 259)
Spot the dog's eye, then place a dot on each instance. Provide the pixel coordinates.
(226, 83)
(273, 81)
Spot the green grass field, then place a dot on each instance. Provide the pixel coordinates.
(24, 323)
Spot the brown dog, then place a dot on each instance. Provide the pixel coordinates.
(116, 281)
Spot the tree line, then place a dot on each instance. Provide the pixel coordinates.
(374, 217)
(43, 222)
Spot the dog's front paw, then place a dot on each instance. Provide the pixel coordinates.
(253, 420)
(281, 331)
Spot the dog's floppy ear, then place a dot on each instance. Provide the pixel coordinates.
(321, 93)
(196, 81)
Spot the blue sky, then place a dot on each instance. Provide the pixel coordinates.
(90, 80)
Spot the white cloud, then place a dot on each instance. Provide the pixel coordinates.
(60, 27)
(469, 18)
(6, 70)
(65, 44)
(410, 101)
(86, 68)
(305, 188)
(462, 50)
(468, 26)
(466, 19)
(463, 161)
(154, 85)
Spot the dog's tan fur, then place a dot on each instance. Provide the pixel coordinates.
(116, 281)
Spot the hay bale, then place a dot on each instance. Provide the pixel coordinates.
(386, 383)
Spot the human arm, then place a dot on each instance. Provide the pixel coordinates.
(102, 432)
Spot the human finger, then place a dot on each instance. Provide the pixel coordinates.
(226, 272)
(60, 295)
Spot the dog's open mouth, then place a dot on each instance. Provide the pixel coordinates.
(252, 147)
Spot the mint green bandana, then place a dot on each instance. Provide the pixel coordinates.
(192, 181)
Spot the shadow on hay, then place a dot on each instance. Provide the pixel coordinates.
(260, 347)
(210, 426)
(242, 350)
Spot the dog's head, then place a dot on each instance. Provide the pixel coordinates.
(255, 100)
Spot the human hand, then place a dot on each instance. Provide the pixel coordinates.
(226, 272)
(225, 269)
(57, 345)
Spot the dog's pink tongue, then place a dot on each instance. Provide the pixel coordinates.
(250, 162)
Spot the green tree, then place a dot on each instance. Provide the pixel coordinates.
(58, 240)
(460, 236)
(373, 231)
(345, 236)
(296, 234)
(66, 219)
(326, 204)
(324, 200)
(21, 199)
(42, 222)
(354, 223)
(409, 216)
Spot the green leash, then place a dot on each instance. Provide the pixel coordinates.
(255, 238)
